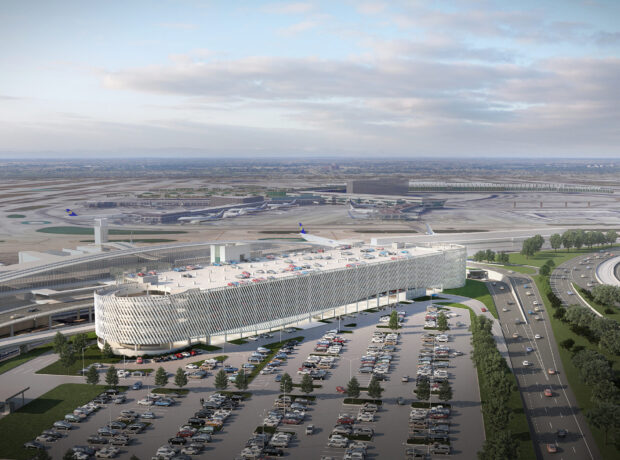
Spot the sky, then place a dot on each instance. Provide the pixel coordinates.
(366, 79)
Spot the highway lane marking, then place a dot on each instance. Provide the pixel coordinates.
(550, 425)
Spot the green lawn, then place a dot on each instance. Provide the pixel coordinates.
(29, 421)
(476, 290)
(169, 391)
(91, 355)
(12, 363)
(206, 347)
(561, 331)
(16, 216)
(238, 341)
(560, 256)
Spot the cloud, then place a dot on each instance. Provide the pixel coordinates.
(297, 28)
(178, 26)
(371, 8)
(288, 8)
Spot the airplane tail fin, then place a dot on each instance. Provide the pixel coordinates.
(301, 228)
(70, 213)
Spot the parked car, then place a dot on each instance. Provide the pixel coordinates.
(62, 425)
(137, 385)
(34, 445)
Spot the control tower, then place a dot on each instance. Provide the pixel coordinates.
(101, 231)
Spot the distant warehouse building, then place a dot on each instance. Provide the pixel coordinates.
(197, 306)
(231, 199)
(388, 186)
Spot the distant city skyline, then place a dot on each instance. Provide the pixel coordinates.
(372, 79)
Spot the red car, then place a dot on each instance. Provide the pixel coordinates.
(185, 434)
(345, 420)
(552, 448)
(483, 309)
(179, 355)
(548, 392)
(139, 360)
(193, 352)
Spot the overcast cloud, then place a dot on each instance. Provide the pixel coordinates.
(326, 78)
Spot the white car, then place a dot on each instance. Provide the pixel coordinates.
(537, 336)
(253, 338)
(107, 452)
(365, 417)
(145, 402)
(526, 363)
(191, 366)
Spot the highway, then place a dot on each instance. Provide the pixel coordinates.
(581, 271)
(546, 415)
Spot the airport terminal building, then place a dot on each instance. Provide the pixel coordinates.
(174, 309)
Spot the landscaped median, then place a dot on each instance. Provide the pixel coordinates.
(29, 421)
(274, 347)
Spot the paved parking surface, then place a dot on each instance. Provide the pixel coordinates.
(391, 425)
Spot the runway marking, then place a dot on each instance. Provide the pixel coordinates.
(574, 449)
(550, 425)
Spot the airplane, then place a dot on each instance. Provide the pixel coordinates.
(282, 205)
(429, 230)
(234, 212)
(317, 239)
(70, 212)
(198, 219)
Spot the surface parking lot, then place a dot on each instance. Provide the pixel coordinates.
(390, 424)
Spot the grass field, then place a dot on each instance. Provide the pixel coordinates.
(476, 290)
(559, 256)
(29, 421)
(70, 230)
(16, 216)
(518, 424)
(91, 355)
(561, 331)
(12, 363)
(137, 240)
(238, 341)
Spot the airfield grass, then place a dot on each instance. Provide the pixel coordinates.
(30, 420)
(70, 230)
(16, 216)
(476, 290)
(519, 428)
(136, 240)
(582, 392)
(28, 208)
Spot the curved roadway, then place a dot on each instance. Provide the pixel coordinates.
(608, 272)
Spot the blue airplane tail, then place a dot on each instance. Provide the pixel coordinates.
(301, 227)
(70, 213)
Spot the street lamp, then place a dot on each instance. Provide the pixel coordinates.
(84, 348)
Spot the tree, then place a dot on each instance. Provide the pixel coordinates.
(241, 380)
(92, 376)
(489, 255)
(393, 324)
(605, 417)
(445, 391)
(605, 392)
(479, 256)
(80, 341)
(500, 445)
(556, 241)
(528, 248)
(610, 341)
(567, 239)
(353, 388)
(286, 383)
(503, 258)
(605, 294)
(111, 377)
(307, 386)
(423, 389)
(68, 455)
(374, 388)
(67, 356)
(107, 352)
(134, 457)
(567, 343)
(538, 241)
(161, 377)
(544, 270)
(578, 239)
(559, 314)
(221, 380)
(610, 237)
(442, 322)
(180, 379)
(59, 342)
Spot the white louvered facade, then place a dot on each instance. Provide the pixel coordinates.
(134, 322)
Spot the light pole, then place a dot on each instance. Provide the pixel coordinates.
(83, 348)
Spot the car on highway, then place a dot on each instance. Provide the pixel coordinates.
(526, 363)
(548, 392)
(537, 336)
(505, 309)
(552, 448)
(562, 433)
(551, 371)
(515, 335)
